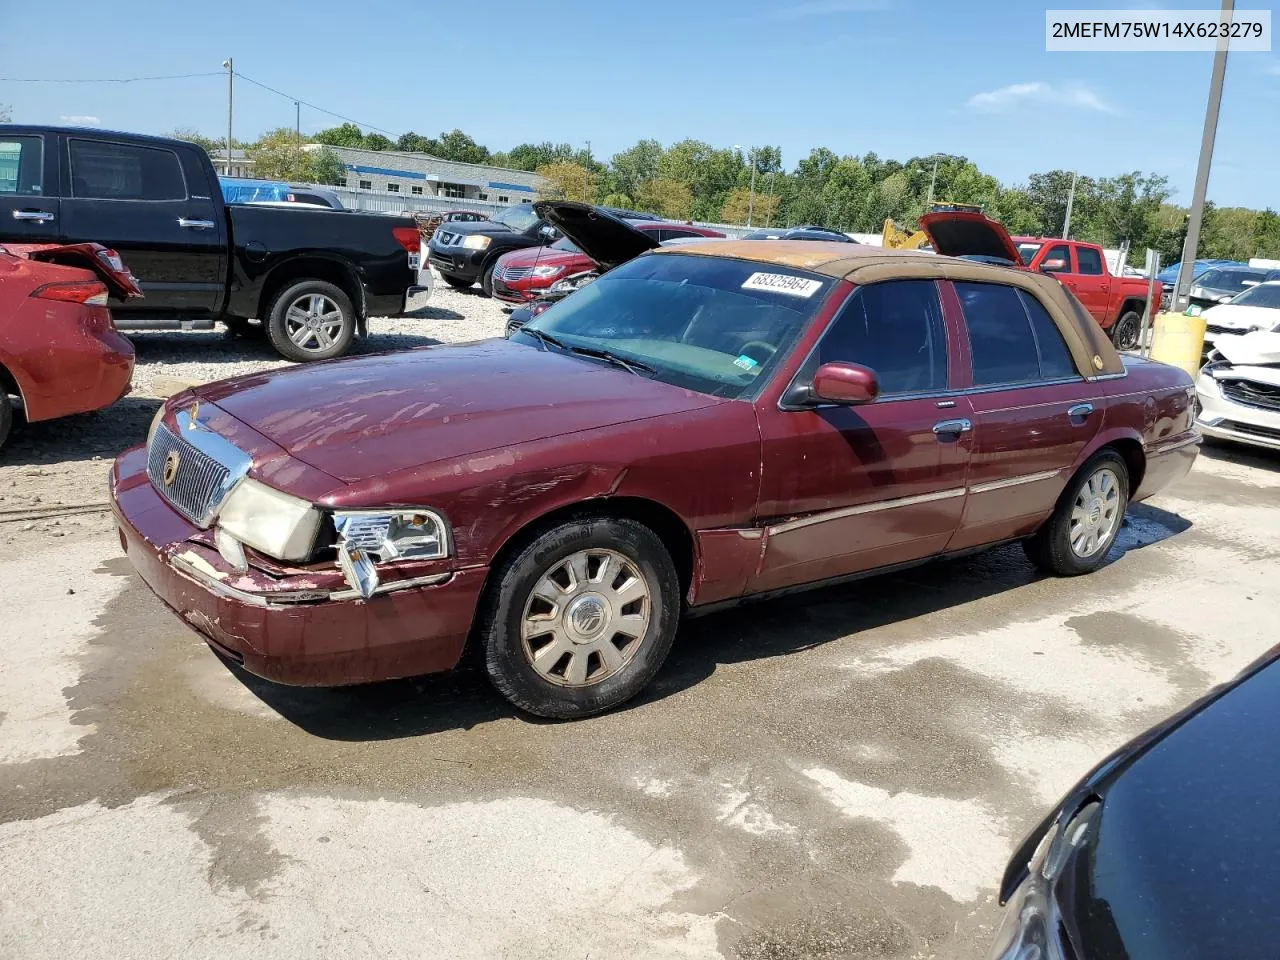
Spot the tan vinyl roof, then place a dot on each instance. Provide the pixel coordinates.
(861, 263)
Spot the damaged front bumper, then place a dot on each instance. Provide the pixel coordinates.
(303, 627)
(1239, 394)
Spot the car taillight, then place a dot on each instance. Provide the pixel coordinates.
(408, 238)
(75, 291)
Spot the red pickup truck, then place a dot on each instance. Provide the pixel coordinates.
(1115, 302)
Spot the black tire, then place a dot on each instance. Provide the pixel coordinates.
(241, 327)
(1126, 331)
(511, 666)
(486, 279)
(6, 415)
(1051, 548)
(339, 334)
(458, 283)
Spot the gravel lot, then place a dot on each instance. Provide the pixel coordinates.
(53, 475)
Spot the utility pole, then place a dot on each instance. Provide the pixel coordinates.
(1071, 199)
(1178, 302)
(231, 79)
(297, 118)
(751, 196)
(932, 182)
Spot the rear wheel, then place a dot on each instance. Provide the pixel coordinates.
(6, 415)
(458, 283)
(1086, 521)
(1126, 330)
(581, 619)
(311, 320)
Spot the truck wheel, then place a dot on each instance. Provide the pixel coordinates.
(458, 283)
(1126, 330)
(6, 415)
(1086, 521)
(581, 619)
(311, 320)
(486, 279)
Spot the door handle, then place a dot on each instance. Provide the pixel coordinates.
(195, 224)
(38, 216)
(960, 425)
(1080, 411)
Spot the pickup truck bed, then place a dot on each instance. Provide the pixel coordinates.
(311, 276)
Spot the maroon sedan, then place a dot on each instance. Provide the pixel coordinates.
(703, 424)
(59, 350)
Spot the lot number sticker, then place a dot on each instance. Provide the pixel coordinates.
(782, 283)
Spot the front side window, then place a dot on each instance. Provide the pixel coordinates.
(22, 166)
(1232, 280)
(120, 171)
(1027, 251)
(1001, 343)
(710, 324)
(1061, 252)
(1090, 260)
(896, 329)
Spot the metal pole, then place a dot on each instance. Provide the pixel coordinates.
(1071, 199)
(932, 181)
(297, 118)
(751, 196)
(231, 79)
(768, 220)
(1178, 302)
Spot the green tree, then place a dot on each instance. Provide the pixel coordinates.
(634, 166)
(280, 155)
(346, 135)
(762, 208)
(456, 145)
(531, 156)
(567, 181)
(617, 200)
(191, 136)
(376, 141)
(325, 166)
(1048, 192)
(416, 143)
(1125, 209)
(670, 198)
(1266, 234)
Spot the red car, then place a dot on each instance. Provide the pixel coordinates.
(59, 349)
(705, 423)
(524, 275)
(1117, 303)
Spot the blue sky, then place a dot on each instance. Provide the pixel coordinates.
(898, 77)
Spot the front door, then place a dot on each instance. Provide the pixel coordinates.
(847, 489)
(28, 189)
(136, 199)
(1033, 413)
(1091, 283)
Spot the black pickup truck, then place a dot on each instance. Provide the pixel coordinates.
(312, 277)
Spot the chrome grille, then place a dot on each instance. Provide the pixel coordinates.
(448, 239)
(516, 273)
(1251, 393)
(199, 482)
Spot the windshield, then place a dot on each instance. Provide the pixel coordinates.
(1236, 280)
(519, 218)
(1263, 295)
(1028, 250)
(567, 245)
(705, 323)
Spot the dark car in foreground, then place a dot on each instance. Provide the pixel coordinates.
(311, 276)
(1168, 850)
(703, 424)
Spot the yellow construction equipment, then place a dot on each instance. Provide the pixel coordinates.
(895, 237)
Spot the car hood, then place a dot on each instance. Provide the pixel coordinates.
(964, 234)
(1259, 348)
(603, 237)
(366, 417)
(1242, 315)
(1184, 860)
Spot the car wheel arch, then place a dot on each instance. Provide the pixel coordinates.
(341, 273)
(1124, 442)
(9, 383)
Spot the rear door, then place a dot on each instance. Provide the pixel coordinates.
(29, 203)
(846, 489)
(1091, 282)
(1033, 412)
(156, 211)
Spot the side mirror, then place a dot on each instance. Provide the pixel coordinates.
(845, 383)
(1053, 266)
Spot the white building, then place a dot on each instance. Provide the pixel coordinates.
(421, 175)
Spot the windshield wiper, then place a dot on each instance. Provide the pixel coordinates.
(631, 366)
(543, 338)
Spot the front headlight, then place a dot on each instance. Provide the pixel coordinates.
(546, 270)
(371, 537)
(279, 525)
(476, 241)
(576, 282)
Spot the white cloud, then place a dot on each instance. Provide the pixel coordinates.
(1038, 93)
(80, 119)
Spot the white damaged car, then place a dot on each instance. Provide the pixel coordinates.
(1239, 389)
(1257, 308)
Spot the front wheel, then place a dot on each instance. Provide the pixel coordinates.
(311, 320)
(1086, 521)
(1126, 331)
(486, 279)
(458, 283)
(581, 619)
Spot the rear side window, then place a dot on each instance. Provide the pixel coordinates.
(22, 166)
(896, 329)
(1012, 339)
(119, 171)
(1090, 260)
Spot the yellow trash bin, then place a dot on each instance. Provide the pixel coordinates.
(1178, 340)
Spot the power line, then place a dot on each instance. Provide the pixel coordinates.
(175, 76)
(305, 103)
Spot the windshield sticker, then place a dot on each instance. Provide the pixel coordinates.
(782, 283)
(746, 363)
